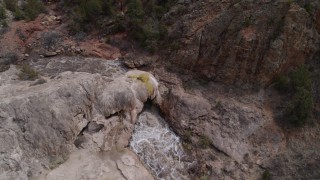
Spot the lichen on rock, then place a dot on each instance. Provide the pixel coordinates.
(145, 79)
(149, 81)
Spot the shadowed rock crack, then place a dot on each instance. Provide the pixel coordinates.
(121, 172)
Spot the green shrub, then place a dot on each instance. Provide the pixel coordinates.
(145, 35)
(3, 17)
(271, 21)
(11, 5)
(187, 146)
(218, 105)
(302, 78)
(50, 39)
(289, 2)
(282, 83)
(137, 33)
(187, 136)
(118, 27)
(27, 73)
(299, 108)
(141, 19)
(174, 46)
(18, 15)
(204, 142)
(308, 7)
(84, 15)
(20, 34)
(248, 20)
(33, 8)
(266, 175)
(135, 11)
(90, 9)
(135, 14)
(144, 18)
(4, 24)
(10, 58)
(2, 13)
(108, 8)
(163, 31)
(156, 8)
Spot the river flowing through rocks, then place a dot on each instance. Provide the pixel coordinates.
(158, 146)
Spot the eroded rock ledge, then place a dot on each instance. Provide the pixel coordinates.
(41, 124)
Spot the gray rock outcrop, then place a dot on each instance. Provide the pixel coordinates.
(41, 124)
(84, 165)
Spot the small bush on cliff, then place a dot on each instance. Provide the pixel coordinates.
(10, 58)
(2, 13)
(29, 11)
(84, 14)
(266, 175)
(282, 84)
(140, 19)
(174, 46)
(89, 9)
(299, 108)
(144, 22)
(289, 2)
(301, 78)
(27, 73)
(135, 11)
(11, 5)
(3, 17)
(33, 8)
(308, 7)
(204, 142)
(50, 39)
(18, 15)
(187, 136)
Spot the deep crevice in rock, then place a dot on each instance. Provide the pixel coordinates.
(94, 127)
(80, 138)
(91, 127)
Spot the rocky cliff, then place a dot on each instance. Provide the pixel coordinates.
(235, 134)
(242, 42)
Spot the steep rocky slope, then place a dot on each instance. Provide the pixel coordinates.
(235, 134)
(243, 43)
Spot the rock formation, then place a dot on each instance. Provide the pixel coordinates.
(236, 135)
(242, 42)
(209, 75)
(42, 123)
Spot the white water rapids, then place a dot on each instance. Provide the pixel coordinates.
(158, 147)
